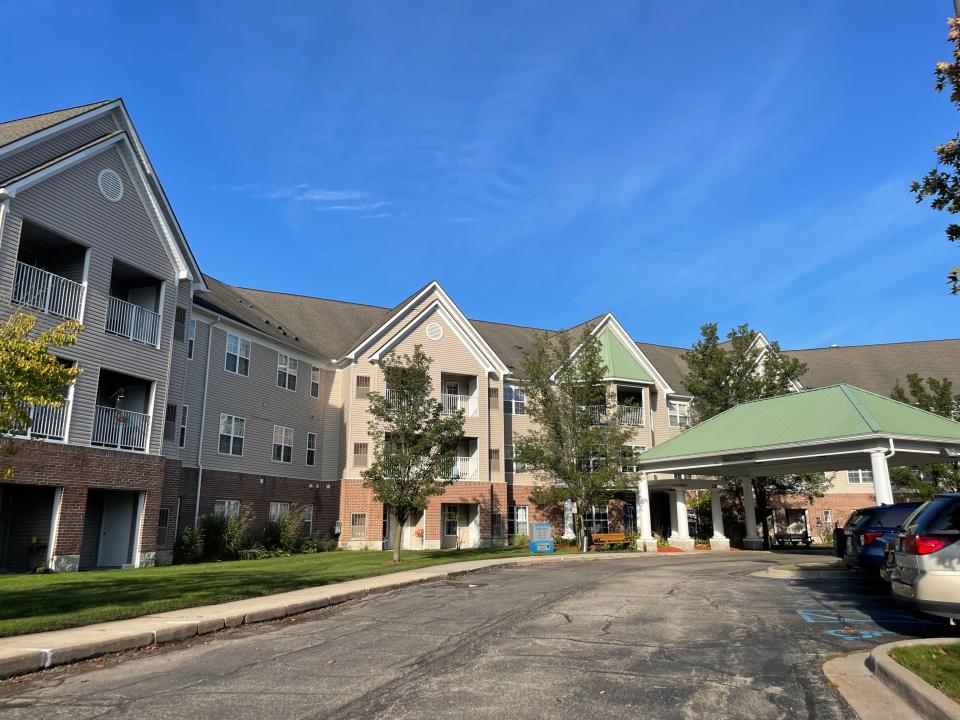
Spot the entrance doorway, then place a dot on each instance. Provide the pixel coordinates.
(460, 525)
(26, 513)
(109, 526)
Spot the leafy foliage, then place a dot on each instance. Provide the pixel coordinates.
(30, 374)
(936, 396)
(414, 443)
(942, 184)
(720, 377)
(286, 532)
(225, 536)
(189, 546)
(574, 458)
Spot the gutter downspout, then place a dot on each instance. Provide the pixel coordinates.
(893, 450)
(203, 421)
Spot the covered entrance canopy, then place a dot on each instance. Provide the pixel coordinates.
(839, 427)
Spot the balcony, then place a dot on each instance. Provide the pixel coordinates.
(46, 423)
(468, 403)
(465, 468)
(47, 292)
(122, 417)
(630, 415)
(598, 414)
(133, 322)
(134, 304)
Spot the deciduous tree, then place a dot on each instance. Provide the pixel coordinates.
(414, 443)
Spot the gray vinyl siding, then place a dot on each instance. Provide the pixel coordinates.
(178, 371)
(193, 394)
(262, 404)
(46, 150)
(70, 204)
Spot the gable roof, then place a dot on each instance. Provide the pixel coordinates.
(830, 414)
(621, 364)
(14, 130)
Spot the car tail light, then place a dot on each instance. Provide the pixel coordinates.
(868, 537)
(926, 544)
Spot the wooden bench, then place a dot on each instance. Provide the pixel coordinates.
(607, 539)
(793, 539)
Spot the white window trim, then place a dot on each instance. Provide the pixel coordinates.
(511, 389)
(314, 380)
(182, 427)
(859, 477)
(290, 366)
(232, 507)
(674, 408)
(232, 434)
(192, 339)
(306, 459)
(283, 443)
(278, 509)
(242, 343)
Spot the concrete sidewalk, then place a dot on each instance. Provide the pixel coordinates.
(28, 653)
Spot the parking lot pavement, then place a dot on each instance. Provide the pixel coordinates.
(666, 637)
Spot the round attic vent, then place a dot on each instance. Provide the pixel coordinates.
(110, 184)
(434, 331)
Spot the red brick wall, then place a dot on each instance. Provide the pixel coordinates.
(841, 505)
(77, 469)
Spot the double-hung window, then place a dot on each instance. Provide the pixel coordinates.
(163, 521)
(170, 423)
(450, 519)
(314, 381)
(191, 338)
(279, 510)
(595, 519)
(287, 371)
(678, 413)
(226, 508)
(238, 355)
(514, 401)
(630, 453)
(311, 448)
(182, 430)
(859, 476)
(517, 520)
(282, 444)
(358, 526)
(231, 435)
(308, 520)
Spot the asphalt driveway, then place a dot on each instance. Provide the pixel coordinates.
(662, 636)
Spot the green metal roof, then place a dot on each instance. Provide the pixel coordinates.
(620, 362)
(812, 416)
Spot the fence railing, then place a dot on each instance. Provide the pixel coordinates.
(631, 415)
(47, 292)
(598, 414)
(132, 321)
(123, 429)
(452, 403)
(465, 468)
(46, 422)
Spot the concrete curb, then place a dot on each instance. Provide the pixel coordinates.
(24, 654)
(811, 574)
(870, 700)
(924, 698)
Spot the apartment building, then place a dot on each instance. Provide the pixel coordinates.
(198, 397)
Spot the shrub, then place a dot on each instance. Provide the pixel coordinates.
(520, 540)
(285, 533)
(225, 535)
(189, 546)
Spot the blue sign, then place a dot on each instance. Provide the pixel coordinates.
(541, 537)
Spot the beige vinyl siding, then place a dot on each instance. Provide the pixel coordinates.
(70, 204)
(263, 404)
(330, 438)
(38, 153)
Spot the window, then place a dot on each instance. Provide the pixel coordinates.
(287, 371)
(162, 522)
(279, 510)
(495, 459)
(226, 508)
(307, 520)
(170, 423)
(509, 464)
(358, 526)
(517, 520)
(314, 381)
(191, 338)
(182, 432)
(360, 454)
(595, 520)
(179, 323)
(311, 448)
(282, 444)
(450, 514)
(496, 525)
(231, 435)
(827, 518)
(678, 413)
(238, 355)
(363, 387)
(514, 402)
(859, 476)
(630, 453)
(494, 398)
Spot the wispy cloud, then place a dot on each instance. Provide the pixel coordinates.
(353, 207)
(325, 199)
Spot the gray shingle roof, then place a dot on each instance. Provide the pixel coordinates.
(14, 130)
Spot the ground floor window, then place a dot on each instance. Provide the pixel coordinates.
(162, 523)
(595, 520)
(450, 513)
(496, 525)
(279, 510)
(517, 520)
(630, 519)
(308, 520)
(226, 508)
(358, 526)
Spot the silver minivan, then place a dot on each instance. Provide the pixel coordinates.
(926, 573)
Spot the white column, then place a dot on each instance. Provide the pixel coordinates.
(751, 541)
(717, 512)
(138, 532)
(881, 477)
(54, 524)
(645, 541)
(568, 530)
(680, 499)
(674, 529)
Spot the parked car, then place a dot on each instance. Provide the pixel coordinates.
(868, 530)
(926, 576)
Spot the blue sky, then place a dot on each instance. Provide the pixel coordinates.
(674, 163)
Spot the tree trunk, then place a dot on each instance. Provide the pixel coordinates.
(396, 538)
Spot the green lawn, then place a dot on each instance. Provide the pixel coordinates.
(938, 665)
(32, 603)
